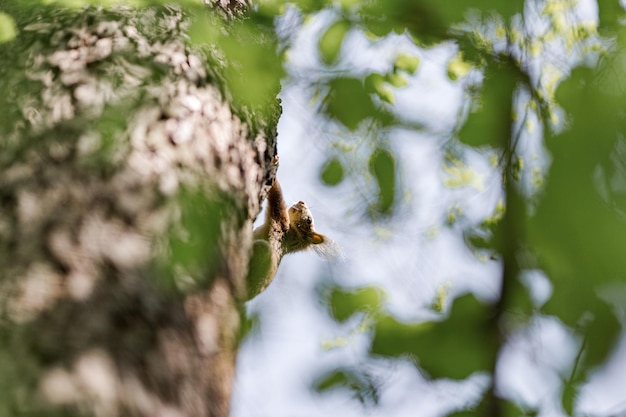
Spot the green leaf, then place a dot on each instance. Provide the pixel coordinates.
(348, 4)
(601, 335)
(384, 16)
(251, 67)
(358, 382)
(428, 20)
(8, 29)
(377, 84)
(309, 6)
(568, 398)
(331, 41)
(454, 348)
(479, 239)
(458, 67)
(271, 7)
(397, 80)
(489, 121)
(579, 233)
(505, 409)
(386, 95)
(405, 62)
(578, 230)
(332, 172)
(610, 13)
(382, 165)
(345, 303)
(193, 250)
(348, 102)
(374, 82)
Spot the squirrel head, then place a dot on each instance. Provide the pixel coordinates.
(301, 221)
(301, 224)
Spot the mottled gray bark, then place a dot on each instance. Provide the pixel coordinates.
(123, 245)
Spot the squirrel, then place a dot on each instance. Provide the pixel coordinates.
(284, 231)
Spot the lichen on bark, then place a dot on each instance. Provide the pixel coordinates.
(118, 296)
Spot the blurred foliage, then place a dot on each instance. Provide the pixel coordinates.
(382, 166)
(362, 385)
(567, 219)
(405, 62)
(579, 248)
(456, 347)
(8, 30)
(331, 41)
(348, 101)
(247, 64)
(489, 121)
(509, 409)
(344, 303)
(332, 172)
(192, 250)
(427, 20)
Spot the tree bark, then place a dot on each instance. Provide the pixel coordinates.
(128, 187)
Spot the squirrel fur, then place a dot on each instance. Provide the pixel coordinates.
(284, 231)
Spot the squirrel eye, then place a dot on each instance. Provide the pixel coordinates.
(308, 220)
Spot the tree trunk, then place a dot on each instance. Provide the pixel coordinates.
(128, 188)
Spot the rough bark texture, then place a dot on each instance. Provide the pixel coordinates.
(230, 8)
(103, 311)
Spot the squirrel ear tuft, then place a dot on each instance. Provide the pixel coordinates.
(316, 239)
